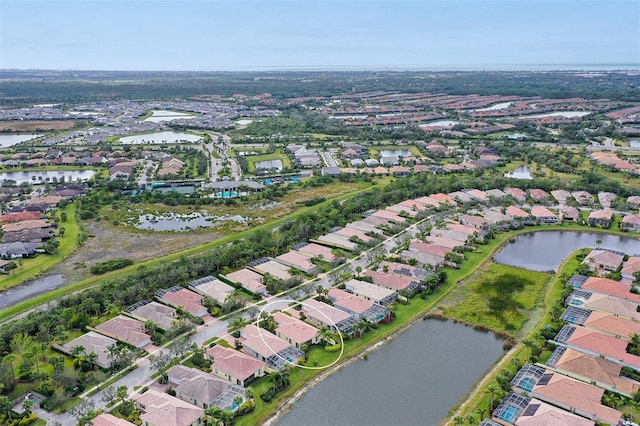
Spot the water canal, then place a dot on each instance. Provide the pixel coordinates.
(413, 380)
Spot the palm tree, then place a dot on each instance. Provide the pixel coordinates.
(491, 390)
(471, 419)
(458, 420)
(218, 416)
(249, 393)
(27, 406)
(92, 359)
(598, 242)
(481, 412)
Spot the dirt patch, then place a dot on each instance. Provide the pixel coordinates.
(109, 242)
(30, 126)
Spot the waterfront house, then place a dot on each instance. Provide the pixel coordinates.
(475, 221)
(516, 409)
(630, 222)
(569, 213)
(235, 366)
(267, 347)
(516, 213)
(603, 261)
(430, 248)
(162, 409)
(601, 218)
(372, 292)
(605, 303)
(396, 282)
(322, 315)
(358, 307)
(449, 234)
(294, 331)
(544, 215)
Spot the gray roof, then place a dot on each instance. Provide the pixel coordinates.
(232, 184)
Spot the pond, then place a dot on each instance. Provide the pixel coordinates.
(517, 135)
(158, 116)
(160, 138)
(413, 380)
(43, 176)
(521, 172)
(182, 222)
(544, 251)
(269, 164)
(10, 140)
(29, 290)
(395, 153)
(632, 143)
(441, 123)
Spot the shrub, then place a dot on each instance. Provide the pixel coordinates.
(247, 407)
(333, 348)
(110, 265)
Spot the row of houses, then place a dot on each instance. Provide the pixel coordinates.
(591, 351)
(304, 157)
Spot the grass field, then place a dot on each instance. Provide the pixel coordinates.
(499, 298)
(375, 150)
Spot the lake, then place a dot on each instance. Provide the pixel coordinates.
(158, 116)
(160, 138)
(413, 380)
(182, 222)
(517, 135)
(544, 251)
(43, 176)
(395, 153)
(566, 114)
(30, 289)
(501, 105)
(521, 172)
(10, 140)
(632, 143)
(269, 164)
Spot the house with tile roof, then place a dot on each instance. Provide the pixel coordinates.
(603, 261)
(126, 330)
(92, 342)
(630, 222)
(106, 419)
(372, 292)
(249, 280)
(601, 218)
(190, 301)
(235, 366)
(358, 307)
(629, 267)
(295, 331)
(267, 347)
(162, 409)
(203, 389)
(544, 215)
(392, 281)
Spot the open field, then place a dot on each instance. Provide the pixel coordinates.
(375, 150)
(276, 155)
(30, 126)
(499, 297)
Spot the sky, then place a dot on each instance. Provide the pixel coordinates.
(211, 35)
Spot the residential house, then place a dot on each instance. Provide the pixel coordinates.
(497, 194)
(203, 389)
(544, 215)
(561, 196)
(601, 218)
(516, 409)
(162, 315)
(570, 394)
(603, 261)
(126, 330)
(358, 307)
(267, 347)
(235, 366)
(372, 292)
(315, 250)
(443, 198)
(478, 194)
(399, 171)
(495, 215)
(634, 200)
(106, 419)
(322, 315)
(269, 266)
(209, 286)
(582, 197)
(460, 196)
(353, 233)
(449, 234)
(191, 302)
(517, 193)
(399, 283)
(92, 342)
(604, 303)
(611, 287)
(539, 195)
(569, 213)
(629, 268)
(475, 221)
(339, 241)
(591, 369)
(630, 222)
(295, 331)
(425, 260)
(162, 409)
(293, 259)
(516, 213)
(606, 198)
(249, 280)
(18, 250)
(402, 269)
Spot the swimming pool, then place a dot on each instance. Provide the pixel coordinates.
(509, 414)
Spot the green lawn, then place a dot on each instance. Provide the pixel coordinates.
(500, 298)
(31, 268)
